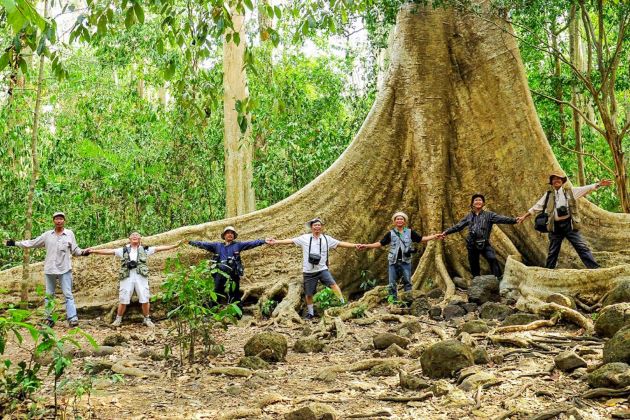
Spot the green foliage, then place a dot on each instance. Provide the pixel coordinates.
(326, 298)
(359, 311)
(18, 385)
(192, 303)
(368, 282)
(267, 307)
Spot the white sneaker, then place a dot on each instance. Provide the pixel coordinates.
(117, 321)
(147, 321)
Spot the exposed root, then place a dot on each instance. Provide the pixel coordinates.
(241, 412)
(510, 341)
(439, 332)
(125, 367)
(230, 371)
(359, 366)
(606, 392)
(371, 299)
(286, 311)
(398, 398)
(528, 327)
(567, 314)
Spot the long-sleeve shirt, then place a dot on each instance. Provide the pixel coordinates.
(480, 224)
(59, 249)
(225, 251)
(561, 199)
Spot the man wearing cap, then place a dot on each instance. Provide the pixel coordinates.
(228, 258)
(60, 245)
(480, 222)
(560, 203)
(315, 247)
(133, 275)
(400, 239)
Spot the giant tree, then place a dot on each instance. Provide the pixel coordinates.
(455, 116)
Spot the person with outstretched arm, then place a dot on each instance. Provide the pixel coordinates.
(133, 275)
(315, 247)
(60, 245)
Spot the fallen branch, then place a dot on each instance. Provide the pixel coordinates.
(606, 392)
(549, 414)
(125, 367)
(241, 412)
(528, 327)
(398, 398)
(381, 413)
(585, 307)
(439, 332)
(230, 371)
(519, 392)
(513, 341)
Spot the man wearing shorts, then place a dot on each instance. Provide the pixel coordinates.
(133, 274)
(315, 247)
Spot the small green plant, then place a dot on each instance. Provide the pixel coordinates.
(392, 300)
(19, 385)
(368, 282)
(359, 311)
(267, 307)
(77, 389)
(326, 298)
(192, 302)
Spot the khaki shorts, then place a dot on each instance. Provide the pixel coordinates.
(139, 284)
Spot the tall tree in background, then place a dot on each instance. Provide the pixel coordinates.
(599, 77)
(239, 149)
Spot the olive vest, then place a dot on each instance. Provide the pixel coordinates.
(573, 208)
(142, 268)
(400, 241)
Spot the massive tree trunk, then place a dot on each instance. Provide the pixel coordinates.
(454, 117)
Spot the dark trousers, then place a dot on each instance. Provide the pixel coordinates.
(233, 292)
(488, 253)
(562, 230)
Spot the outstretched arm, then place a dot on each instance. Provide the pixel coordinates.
(101, 251)
(208, 246)
(38, 242)
(167, 247)
(243, 246)
(587, 189)
(503, 220)
(370, 246)
(431, 237)
(348, 245)
(458, 227)
(273, 241)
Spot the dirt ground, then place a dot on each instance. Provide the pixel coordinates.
(526, 385)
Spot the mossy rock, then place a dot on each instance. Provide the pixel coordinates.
(269, 346)
(520, 318)
(611, 375)
(612, 318)
(252, 362)
(476, 326)
(620, 294)
(617, 349)
(308, 345)
(445, 358)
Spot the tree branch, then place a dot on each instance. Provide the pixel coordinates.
(598, 160)
(588, 121)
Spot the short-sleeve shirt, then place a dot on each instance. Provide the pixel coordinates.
(316, 245)
(133, 256)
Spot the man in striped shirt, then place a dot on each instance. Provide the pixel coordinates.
(479, 222)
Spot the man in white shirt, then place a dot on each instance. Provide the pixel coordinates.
(133, 275)
(315, 248)
(560, 203)
(60, 245)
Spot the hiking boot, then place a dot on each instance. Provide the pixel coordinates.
(47, 323)
(73, 323)
(147, 321)
(308, 317)
(117, 321)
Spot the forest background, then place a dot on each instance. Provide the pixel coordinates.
(127, 118)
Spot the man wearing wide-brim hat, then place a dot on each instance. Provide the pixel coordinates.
(399, 239)
(227, 255)
(315, 247)
(560, 203)
(60, 245)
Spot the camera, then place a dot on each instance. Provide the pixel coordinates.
(562, 211)
(132, 264)
(314, 258)
(409, 252)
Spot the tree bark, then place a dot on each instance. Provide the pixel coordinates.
(28, 226)
(237, 144)
(454, 117)
(575, 52)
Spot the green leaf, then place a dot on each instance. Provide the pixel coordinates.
(249, 4)
(278, 12)
(139, 12)
(236, 37)
(129, 18)
(101, 26)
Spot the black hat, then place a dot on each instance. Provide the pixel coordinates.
(477, 195)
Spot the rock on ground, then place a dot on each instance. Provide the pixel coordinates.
(617, 349)
(493, 310)
(612, 318)
(620, 294)
(475, 326)
(308, 345)
(269, 346)
(443, 359)
(484, 289)
(568, 361)
(520, 318)
(384, 340)
(611, 375)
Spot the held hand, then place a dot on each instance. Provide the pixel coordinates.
(10, 242)
(604, 183)
(360, 247)
(86, 252)
(270, 241)
(182, 242)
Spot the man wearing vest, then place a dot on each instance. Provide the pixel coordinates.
(315, 248)
(560, 203)
(480, 222)
(60, 245)
(399, 240)
(133, 274)
(228, 258)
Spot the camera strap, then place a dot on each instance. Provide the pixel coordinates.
(310, 242)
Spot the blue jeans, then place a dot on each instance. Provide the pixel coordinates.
(396, 271)
(66, 287)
